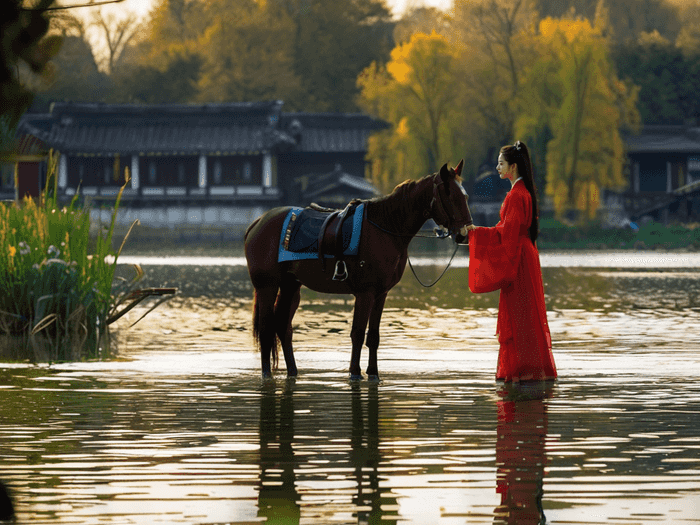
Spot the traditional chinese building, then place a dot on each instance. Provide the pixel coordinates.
(208, 164)
(664, 171)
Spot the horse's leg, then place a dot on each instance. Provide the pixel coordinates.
(287, 304)
(265, 326)
(363, 305)
(373, 336)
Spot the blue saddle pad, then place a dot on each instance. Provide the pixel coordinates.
(301, 229)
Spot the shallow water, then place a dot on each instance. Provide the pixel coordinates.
(181, 429)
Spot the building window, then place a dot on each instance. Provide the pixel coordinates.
(693, 169)
(7, 176)
(653, 174)
(181, 178)
(218, 172)
(247, 172)
(235, 170)
(152, 173)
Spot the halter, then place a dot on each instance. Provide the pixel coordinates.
(449, 218)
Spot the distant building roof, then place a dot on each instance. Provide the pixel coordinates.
(667, 139)
(339, 182)
(330, 132)
(225, 128)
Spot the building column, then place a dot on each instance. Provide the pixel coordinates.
(202, 172)
(135, 181)
(267, 170)
(635, 177)
(669, 177)
(63, 172)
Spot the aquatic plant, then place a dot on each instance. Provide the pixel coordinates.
(56, 278)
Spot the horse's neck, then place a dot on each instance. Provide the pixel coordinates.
(402, 211)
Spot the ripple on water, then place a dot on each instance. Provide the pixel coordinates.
(181, 429)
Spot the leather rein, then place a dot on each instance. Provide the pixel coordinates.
(443, 234)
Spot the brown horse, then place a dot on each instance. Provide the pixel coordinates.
(391, 222)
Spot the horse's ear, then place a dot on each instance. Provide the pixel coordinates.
(458, 169)
(444, 172)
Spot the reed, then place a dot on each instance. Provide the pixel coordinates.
(56, 279)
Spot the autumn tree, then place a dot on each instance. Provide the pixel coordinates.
(332, 45)
(163, 64)
(248, 53)
(415, 92)
(627, 18)
(572, 90)
(113, 34)
(494, 42)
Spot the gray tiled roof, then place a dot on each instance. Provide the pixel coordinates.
(666, 139)
(228, 128)
(330, 132)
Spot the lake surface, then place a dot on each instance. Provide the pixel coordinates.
(182, 429)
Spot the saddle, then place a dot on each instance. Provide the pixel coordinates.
(318, 232)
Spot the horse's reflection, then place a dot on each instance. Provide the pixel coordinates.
(277, 497)
(365, 453)
(520, 452)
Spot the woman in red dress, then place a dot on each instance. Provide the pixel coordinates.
(505, 257)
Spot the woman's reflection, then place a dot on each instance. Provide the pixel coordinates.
(277, 496)
(520, 452)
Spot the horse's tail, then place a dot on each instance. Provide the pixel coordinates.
(256, 332)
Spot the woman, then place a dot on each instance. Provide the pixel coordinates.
(506, 257)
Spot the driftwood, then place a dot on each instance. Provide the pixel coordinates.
(136, 296)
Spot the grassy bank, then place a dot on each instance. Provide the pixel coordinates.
(56, 281)
(555, 235)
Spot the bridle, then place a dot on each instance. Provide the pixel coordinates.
(428, 213)
(448, 217)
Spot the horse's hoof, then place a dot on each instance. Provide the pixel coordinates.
(355, 377)
(373, 377)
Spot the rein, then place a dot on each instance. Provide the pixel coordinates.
(449, 263)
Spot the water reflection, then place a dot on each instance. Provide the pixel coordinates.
(278, 500)
(520, 452)
(286, 464)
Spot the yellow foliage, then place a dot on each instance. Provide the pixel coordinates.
(571, 29)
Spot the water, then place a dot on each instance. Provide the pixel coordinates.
(181, 428)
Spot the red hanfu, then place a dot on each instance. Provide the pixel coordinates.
(505, 251)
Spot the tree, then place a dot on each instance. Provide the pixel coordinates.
(248, 53)
(415, 92)
(572, 91)
(628, 18)
(23, 43)
(494, 41)
(669, 79)
(333, 44)
(115, 33)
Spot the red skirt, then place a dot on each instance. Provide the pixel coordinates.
(525, 352)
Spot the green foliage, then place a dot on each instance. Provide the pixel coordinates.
(415, 92)
(56, 281)
(556, 235)
(669, 80)
(573, 92)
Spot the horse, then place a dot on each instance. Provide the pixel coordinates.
(390, 222)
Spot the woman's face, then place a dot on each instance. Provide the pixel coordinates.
(505, 170)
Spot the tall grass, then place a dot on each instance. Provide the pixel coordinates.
(55, 279)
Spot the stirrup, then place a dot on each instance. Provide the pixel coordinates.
(341, 272)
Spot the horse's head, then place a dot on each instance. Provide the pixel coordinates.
(449, 206)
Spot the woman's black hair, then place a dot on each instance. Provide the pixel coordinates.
(519, 155)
